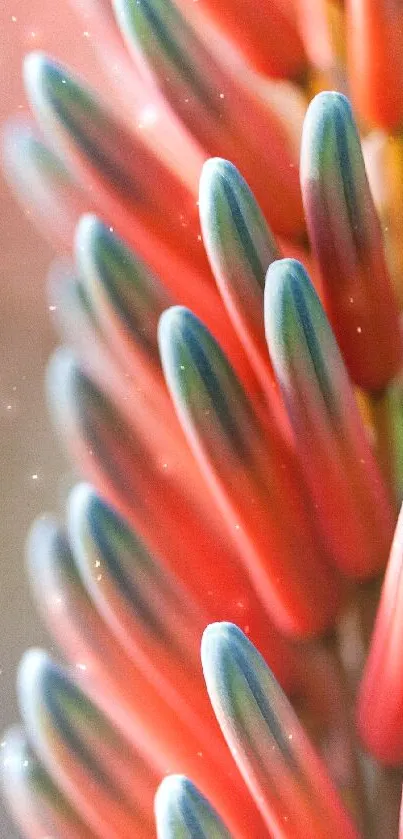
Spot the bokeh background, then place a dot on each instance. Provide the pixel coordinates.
(33, 470)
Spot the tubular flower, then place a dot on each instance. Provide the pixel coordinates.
(226, 286)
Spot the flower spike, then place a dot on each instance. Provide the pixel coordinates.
(252, 474)
(230, 484)
(183, 813)
(285, 776)
(351, 503)
(346, 238)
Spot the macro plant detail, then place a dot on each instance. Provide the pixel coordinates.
(225, 586)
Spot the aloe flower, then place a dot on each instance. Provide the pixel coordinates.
(227, 286)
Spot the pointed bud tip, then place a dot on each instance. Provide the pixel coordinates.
(38, 69)
(324, 107)
(86, 511)
(89, 231)
(180, 809)
(285, 278)
(284, 271)
(171, 790)
(33, 668)
(330, 99)
(216, 640)
(61, 372)
(213, 168)
(172, 320)
(35, 63)
(81, 499)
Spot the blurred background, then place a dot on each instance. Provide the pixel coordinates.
(32, 465)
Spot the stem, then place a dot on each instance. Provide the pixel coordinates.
(381, 414)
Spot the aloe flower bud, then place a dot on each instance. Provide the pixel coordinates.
(229, 391)
(346, 238)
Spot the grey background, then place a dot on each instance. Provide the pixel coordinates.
(27, 443)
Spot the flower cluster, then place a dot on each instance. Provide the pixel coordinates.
(230, 388)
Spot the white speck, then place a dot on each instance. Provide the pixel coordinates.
(13, 18)
(86, 34)
(222, 96)
(148, 116)
(359, 330)
(52, 308)
(97, 563)
(81, 666)
(34, 477)
(237, 526)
